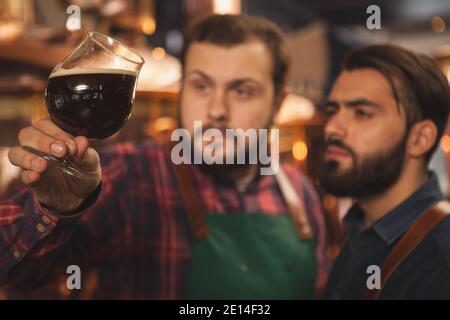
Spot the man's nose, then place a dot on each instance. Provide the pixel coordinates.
(218, 107)
(337, 126)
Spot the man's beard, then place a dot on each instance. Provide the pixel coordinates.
(224, 171)
(370, 176)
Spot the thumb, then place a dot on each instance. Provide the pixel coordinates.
(89, 161)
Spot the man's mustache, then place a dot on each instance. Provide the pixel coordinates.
(221, 128)
(338, 143)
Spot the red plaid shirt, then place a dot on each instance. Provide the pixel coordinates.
(134, 239)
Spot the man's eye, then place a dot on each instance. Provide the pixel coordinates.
(243, 92)
(200, 86)
(362, 114)
(329, 110)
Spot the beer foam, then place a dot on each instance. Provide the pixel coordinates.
(76, 71)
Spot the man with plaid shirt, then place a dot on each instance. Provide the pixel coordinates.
(154, 230)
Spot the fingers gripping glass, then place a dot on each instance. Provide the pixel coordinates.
(91, 92)
(59, 163)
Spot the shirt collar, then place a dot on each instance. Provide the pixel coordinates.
(391, 226)
(258, 182)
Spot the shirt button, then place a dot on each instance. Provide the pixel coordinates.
(306, 231)
(45, 219)
(243, 268)
(302, 219)
(290, 265)
(41, 228)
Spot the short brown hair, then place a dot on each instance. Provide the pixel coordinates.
(231, 30)
(422, 88)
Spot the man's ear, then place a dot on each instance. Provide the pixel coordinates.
(422, 138)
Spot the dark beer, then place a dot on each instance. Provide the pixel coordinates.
(90, 102)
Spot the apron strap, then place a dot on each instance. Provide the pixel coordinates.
(194, 210)
(408, 242)
(295, 206)
(191, 201)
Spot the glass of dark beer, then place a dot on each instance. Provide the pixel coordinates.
(90, 93)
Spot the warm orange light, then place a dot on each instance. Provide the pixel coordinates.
(299, 150)
(438, 24)
(295, 108)
(445, 143)
(158, 53)
(63, 289)
(227, 6)
(164, 124)
(148, 25)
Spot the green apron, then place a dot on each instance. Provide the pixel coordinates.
(252, 256)
(249, 255)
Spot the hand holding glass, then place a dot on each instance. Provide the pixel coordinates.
(91, 92)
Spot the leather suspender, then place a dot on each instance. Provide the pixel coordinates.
(408, 242)
(189, 195)
(191, 201)
(295, 206)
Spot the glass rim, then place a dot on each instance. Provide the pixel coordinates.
(93, 34)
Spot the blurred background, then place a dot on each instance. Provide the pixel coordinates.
(36, 34)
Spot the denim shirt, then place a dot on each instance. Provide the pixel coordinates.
(424, 274)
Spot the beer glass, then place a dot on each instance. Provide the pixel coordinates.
(91, 92)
